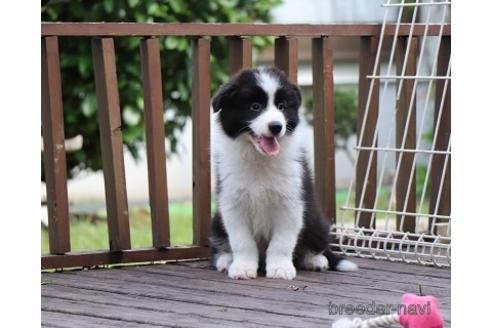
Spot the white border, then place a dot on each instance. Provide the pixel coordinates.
(471, 166)
(20, 165)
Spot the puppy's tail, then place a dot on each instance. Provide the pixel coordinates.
(339, 263)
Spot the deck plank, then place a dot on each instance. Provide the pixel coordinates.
(65, 320)
(189, 294)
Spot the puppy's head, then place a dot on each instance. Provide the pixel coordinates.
(261, 104)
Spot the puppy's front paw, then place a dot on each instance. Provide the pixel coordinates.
(223, 262)
(281, 269)
(241, 269)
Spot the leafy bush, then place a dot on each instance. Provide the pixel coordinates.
(346, 106)
(79, 96)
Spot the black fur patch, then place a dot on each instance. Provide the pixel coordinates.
(290, 95)
(315, 234)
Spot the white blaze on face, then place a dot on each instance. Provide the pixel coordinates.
(263, 139)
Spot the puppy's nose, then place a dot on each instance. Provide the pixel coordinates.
(275, 127)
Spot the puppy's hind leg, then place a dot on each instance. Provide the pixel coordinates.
(315, 262)
(338, 263)
(221, 254)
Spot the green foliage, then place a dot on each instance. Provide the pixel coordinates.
(346, 105)
(421, 172)
(345, 110)
(79, 97)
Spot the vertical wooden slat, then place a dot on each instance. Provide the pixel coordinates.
(286, 57)
(240, 54)
(54, 147)
(324, 126)
(442, 137)
(403, 113)
(111, 142)
(154, 133)
(201, 140)
(368, 49)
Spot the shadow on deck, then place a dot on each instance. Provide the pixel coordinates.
(190, 294)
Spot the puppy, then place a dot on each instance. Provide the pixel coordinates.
(267, 215)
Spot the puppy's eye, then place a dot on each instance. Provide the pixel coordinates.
(281, 106)
(255, 106)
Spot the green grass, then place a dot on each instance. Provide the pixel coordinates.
(87, 234)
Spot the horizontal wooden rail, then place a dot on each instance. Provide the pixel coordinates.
(229, 29)
(86, 259)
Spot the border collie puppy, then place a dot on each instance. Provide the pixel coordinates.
(267, 217)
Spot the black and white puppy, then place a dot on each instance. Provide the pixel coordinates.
(266, 208)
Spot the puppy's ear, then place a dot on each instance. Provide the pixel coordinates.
(224, 93)
(298, 93)
(295, 95)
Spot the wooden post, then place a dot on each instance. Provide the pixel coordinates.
(55, 164)
(201, 140)
(111, 143)
(155, 140)
(404, 112)
(324, 126)
(443, 207)
(240, 54)
(365, 135)
(286, 57)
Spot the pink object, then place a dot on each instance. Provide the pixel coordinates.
(420, 312)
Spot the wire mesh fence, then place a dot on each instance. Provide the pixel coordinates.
(398, 204)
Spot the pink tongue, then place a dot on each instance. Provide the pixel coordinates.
(270, 145)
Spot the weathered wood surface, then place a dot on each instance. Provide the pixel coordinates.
(227, 29)
(190, 294)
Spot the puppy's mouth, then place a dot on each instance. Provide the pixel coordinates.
(268, 145)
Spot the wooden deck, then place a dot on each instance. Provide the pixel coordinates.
(192, 295)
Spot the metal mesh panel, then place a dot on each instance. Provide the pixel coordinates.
(413, 225)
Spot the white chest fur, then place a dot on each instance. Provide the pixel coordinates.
(263, 191)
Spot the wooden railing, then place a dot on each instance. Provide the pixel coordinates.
(120, 250)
